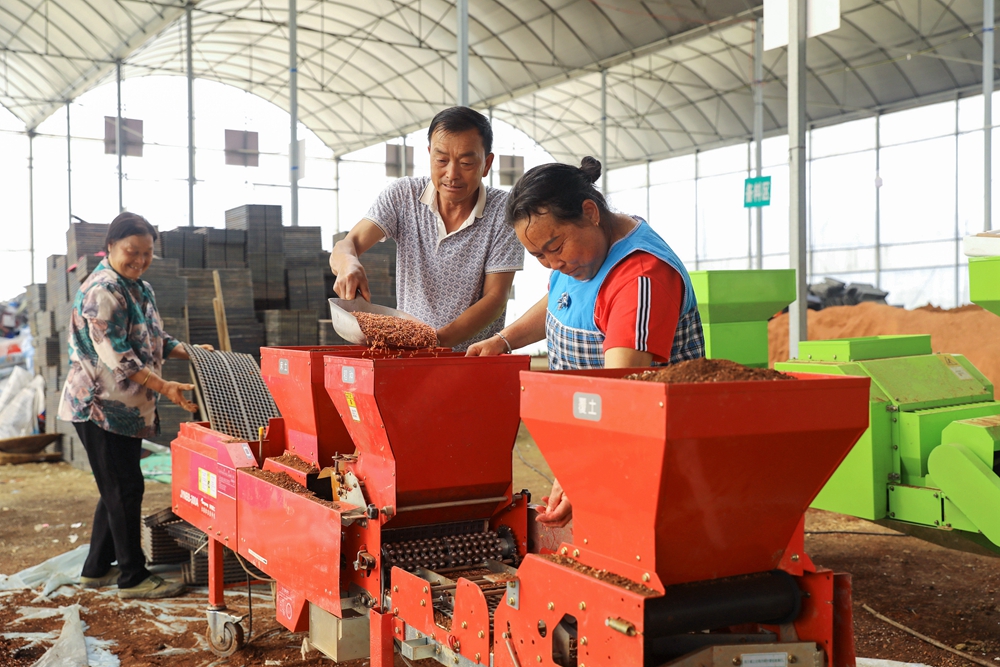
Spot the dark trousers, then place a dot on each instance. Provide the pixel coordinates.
(116, 535)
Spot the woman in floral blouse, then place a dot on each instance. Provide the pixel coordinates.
(116, 349)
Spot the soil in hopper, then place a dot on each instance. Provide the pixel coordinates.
(708, 370)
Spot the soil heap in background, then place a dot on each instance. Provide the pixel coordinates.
(707, 370)
(967, 330)
(389, 331)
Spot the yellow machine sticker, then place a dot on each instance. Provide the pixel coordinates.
(207, 482)
(352, 406)
(956, 368)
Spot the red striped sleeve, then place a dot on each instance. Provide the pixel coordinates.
(639, 305)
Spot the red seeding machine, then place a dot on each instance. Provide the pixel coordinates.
(381, 505)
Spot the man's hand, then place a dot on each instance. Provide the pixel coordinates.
(490, 347)
(173, 391)
(351, 278)
(558, 510)
(344, 262)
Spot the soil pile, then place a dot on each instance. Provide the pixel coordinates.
(388, 331)
(968, 330)
(295, 463)
(707, 370)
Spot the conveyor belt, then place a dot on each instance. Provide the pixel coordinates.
(232, 391)
(449, 551)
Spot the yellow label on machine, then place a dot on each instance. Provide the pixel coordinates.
(352, 406)
(956, 368)
(207, 482)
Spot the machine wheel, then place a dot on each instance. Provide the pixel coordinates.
(231, 640)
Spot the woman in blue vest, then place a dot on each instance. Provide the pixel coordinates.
(619, 297)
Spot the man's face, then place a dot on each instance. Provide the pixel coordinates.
(458, 164)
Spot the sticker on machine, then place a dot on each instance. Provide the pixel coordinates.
(956, 368)
(352, 406)
(763, 659)
(587, 406)
(207, 482)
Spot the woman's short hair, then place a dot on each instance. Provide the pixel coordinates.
(557, 189)
(129, 224)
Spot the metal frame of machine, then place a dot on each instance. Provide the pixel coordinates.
(399, 529)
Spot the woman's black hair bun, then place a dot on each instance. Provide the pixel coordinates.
(591, 168)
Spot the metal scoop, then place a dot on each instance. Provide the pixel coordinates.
(346, 325)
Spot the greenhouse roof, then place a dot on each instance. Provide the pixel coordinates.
(678, 72)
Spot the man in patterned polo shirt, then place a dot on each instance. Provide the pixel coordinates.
(455, 257)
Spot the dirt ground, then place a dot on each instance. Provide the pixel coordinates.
(948, 595)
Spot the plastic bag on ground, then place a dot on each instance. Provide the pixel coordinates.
(18, 380)
(51, 574)
(876, 662)
(70, 650)
(19, 417)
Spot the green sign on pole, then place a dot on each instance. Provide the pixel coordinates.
(757, 192)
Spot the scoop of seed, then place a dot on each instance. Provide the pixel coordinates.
(389, 331)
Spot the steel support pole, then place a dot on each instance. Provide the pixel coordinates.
(797, 252)
(749, 210)
(604, 131)
(462, 54)
(402, 158)
(69, 169)
(31, 202)
(118, 134)
(696, 253)
(190, 91)
(493, 168)
(988, 57)
(336, 187)
(958, 237)
(293, 98)
(649, 212)
(758, 127)
(878, 201)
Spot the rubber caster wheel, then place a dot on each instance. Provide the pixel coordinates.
(230, 641)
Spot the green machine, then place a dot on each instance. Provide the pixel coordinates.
(928, 463)
(735, 307)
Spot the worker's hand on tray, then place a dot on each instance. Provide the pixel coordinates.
(179, 351)
(352, 282)
(557, 511)
(175, 392)
(487, 348)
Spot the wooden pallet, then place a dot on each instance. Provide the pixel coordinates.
(11, 459)
(29, 444)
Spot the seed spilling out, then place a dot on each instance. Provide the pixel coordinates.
(389, 331)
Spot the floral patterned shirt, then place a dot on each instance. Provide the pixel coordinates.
(114, 332)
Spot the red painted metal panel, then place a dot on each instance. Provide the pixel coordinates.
(408, 592)
(295, 377)
(291, 537)
(815, 622)
(727, 469)
(203, 492)
(548, 592)
(380, 638)
(471, 618)
(430, 429)
(843, 622)
(291, 608)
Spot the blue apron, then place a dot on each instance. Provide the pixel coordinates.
(575, 342)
